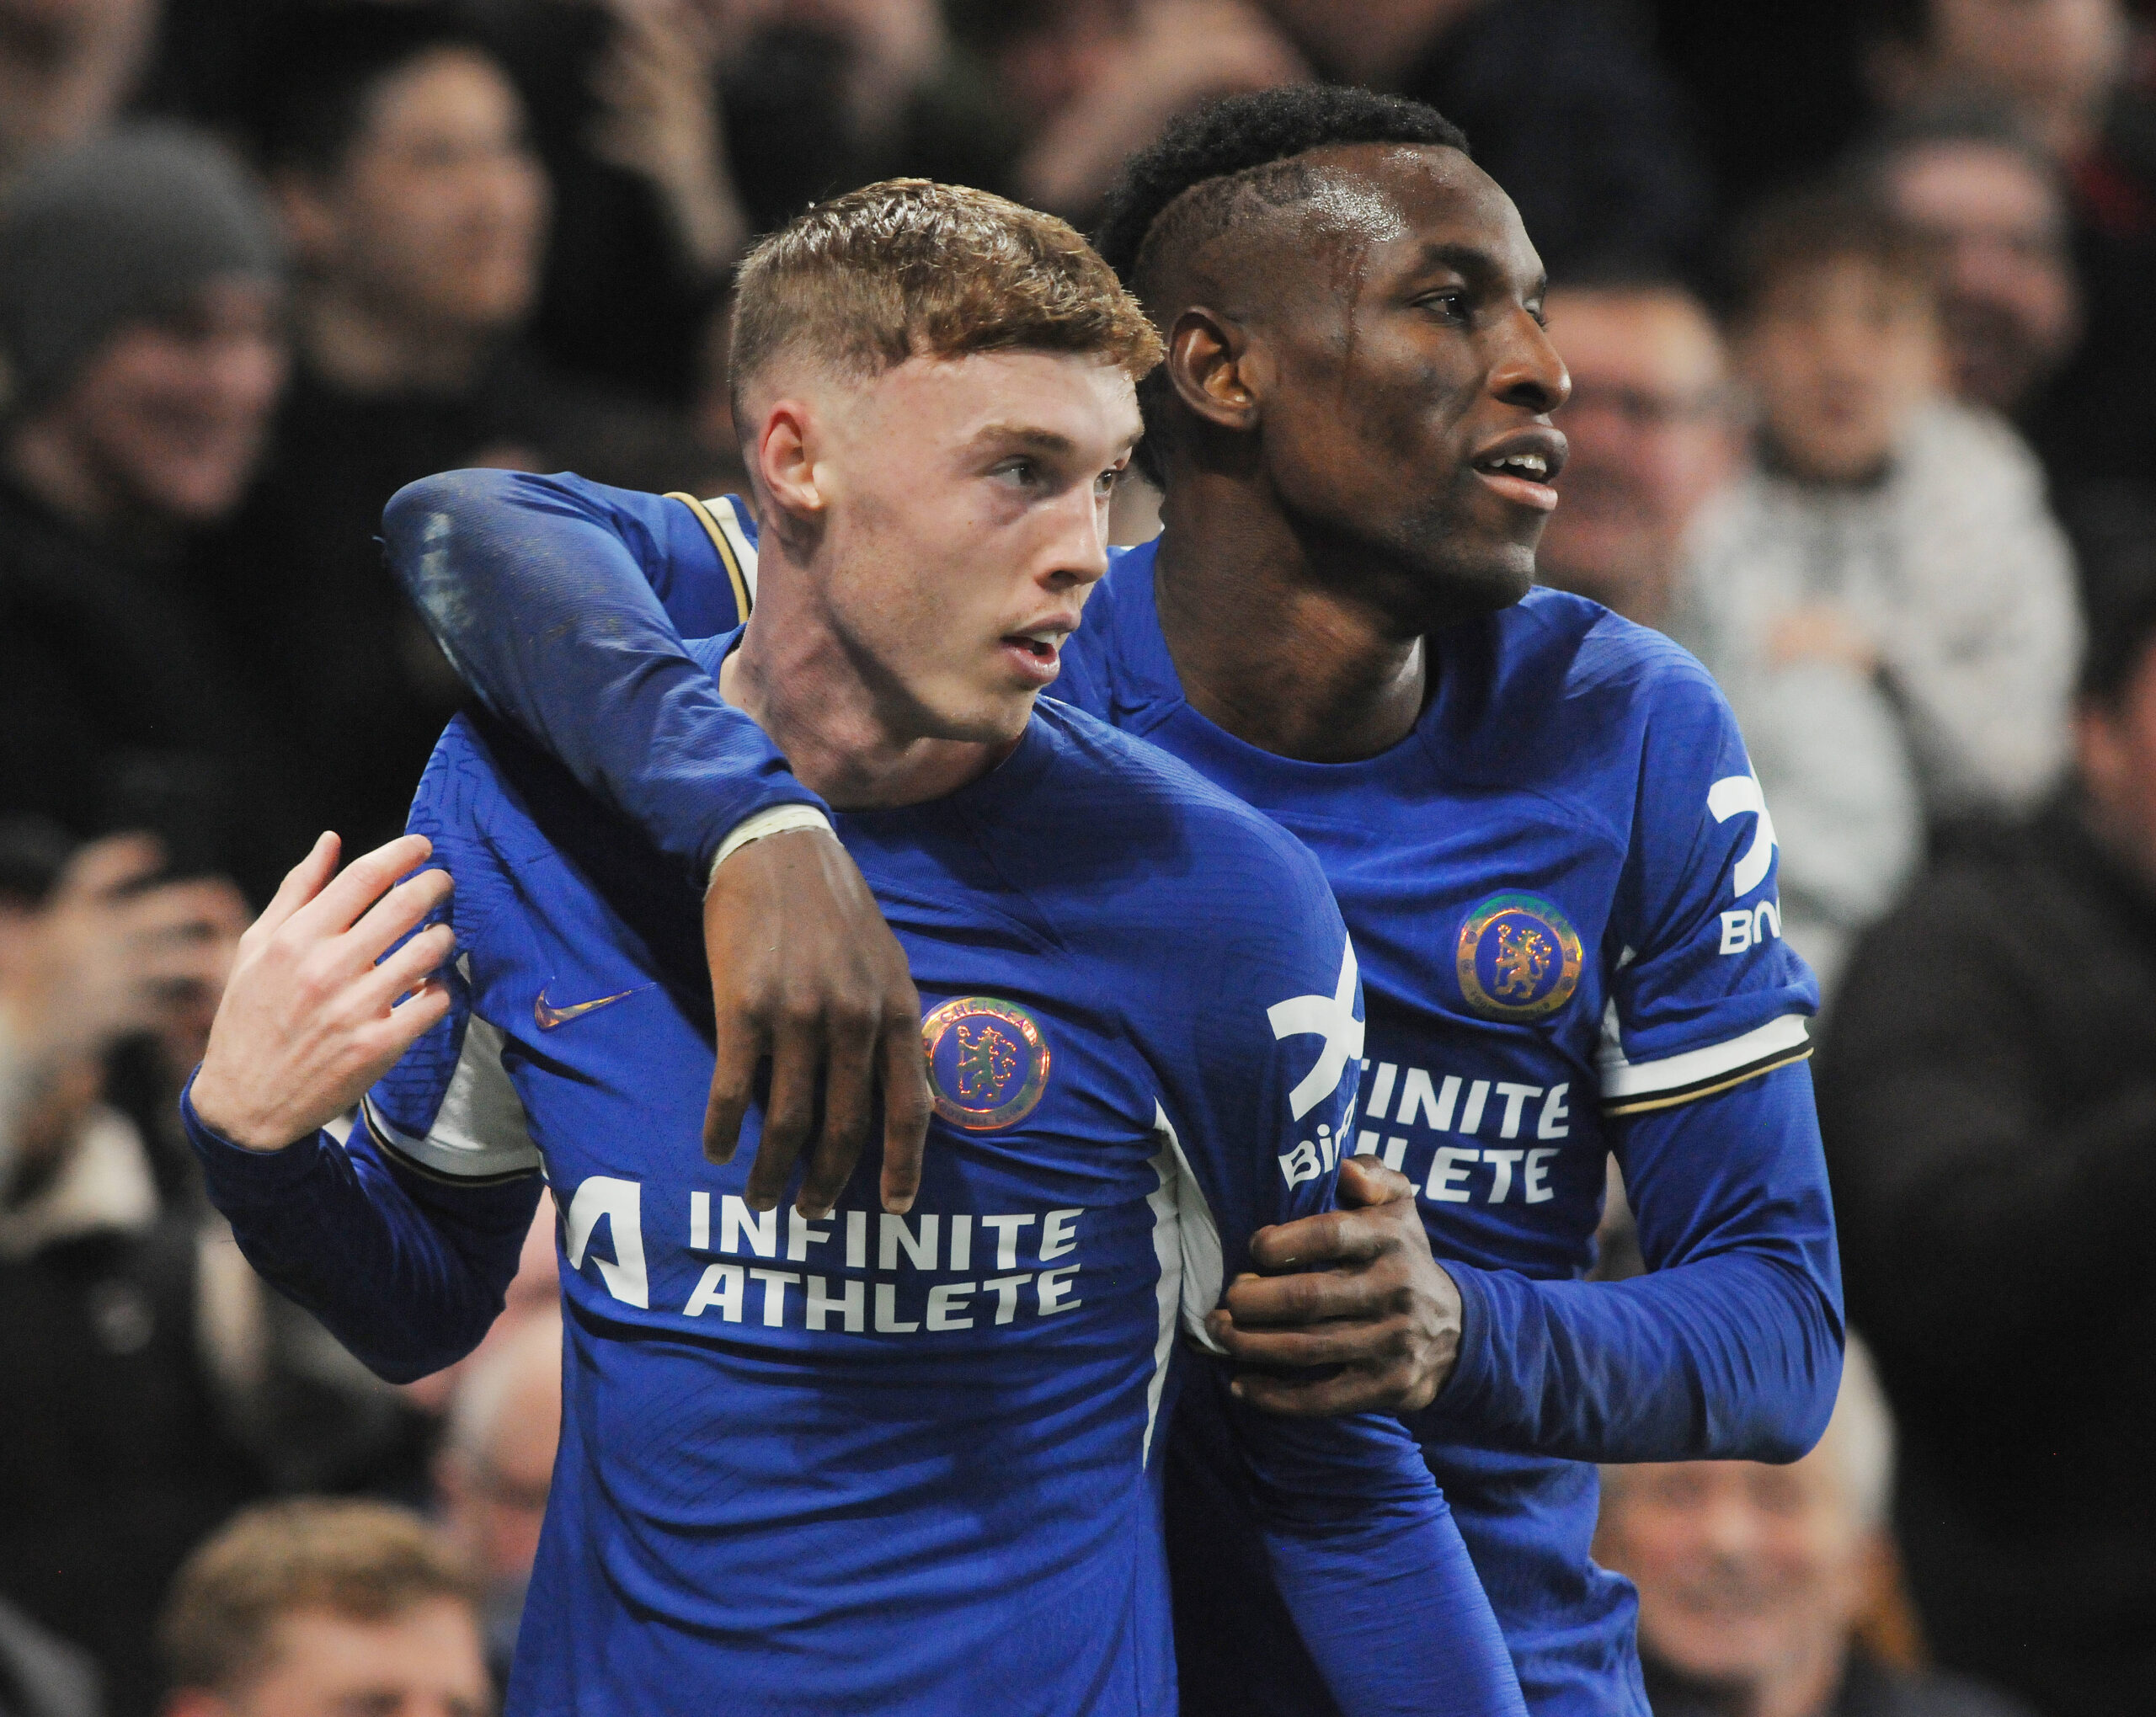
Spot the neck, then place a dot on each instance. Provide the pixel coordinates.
(358, 348)
(1263, 646)
(854, 742)
(1804, 1687)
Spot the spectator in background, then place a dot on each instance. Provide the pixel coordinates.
(141, 355)
(1562, 99)
(417, 213)
(1988, 1094)
(1752, 1578)
(1993, 207)
(1658, 442)
(1080, 83)
(66, 67)
(117, 1450)
(1887, 533)
(301, 1609)
(2063, 68)
(498, 1463)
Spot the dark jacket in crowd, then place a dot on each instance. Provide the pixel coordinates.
(1869, 1689)
(1565, 106)
(1988, 1091)
(337, 663)
(119, 708)
(113, 1460)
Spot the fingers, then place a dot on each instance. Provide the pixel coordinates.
(1255, 1302)
(789, 1111)
(906, 1109)
(409, 968)
(302, 883)
(1353, 1391)
(1364, 1180)
(363, 881)
(733, 1083)
(849, 1100)
(1335, 1237)
(1301, 1350)
(392, 917)
(409, 1021)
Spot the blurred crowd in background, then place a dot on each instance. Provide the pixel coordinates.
(1859, 304)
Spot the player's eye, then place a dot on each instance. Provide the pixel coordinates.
(1452, 304)
(1019, 473)
(1105, 483)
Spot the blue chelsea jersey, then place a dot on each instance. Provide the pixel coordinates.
(1561, 889)
(909, 1463)
(1560, 921)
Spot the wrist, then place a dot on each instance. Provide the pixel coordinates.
(779, 819)
(219, 1113)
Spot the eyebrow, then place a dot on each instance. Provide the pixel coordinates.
(1478, 264)
(1040, 440)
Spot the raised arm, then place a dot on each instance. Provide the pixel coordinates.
(563, 603)
(407, 1272)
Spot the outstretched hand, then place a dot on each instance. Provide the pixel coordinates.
(309, 1018)
(1366, 1306)
(805, 972)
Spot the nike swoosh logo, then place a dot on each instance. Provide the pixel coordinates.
(546, 1017)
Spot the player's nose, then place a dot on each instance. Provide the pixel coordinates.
(1527, 372)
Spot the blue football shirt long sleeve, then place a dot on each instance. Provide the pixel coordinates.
(554, 598)
(409, 1274)
(1729, 1349)
(1589, 1371)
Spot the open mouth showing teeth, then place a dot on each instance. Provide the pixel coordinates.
(1531, 466)
(1040, 645)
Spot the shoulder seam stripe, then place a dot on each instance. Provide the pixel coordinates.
(728, 558)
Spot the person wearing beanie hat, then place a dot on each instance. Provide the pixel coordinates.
(140, 282)
(142, 346)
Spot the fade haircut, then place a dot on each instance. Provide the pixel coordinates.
(910, 269)
(1228, 161)
(364, 1561)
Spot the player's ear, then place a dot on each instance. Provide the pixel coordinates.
(785, 459)
(1211, 366)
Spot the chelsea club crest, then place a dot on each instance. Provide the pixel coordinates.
(987, 1062)
(1520, 958)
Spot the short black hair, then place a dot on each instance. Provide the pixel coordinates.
(1233, 144)
(1239, 134)
(2113, 529)
(320, 65)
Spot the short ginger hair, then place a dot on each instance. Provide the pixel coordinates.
(911, 268)
(364, 1561)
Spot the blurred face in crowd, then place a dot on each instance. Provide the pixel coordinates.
(436, 218)
(495, 1496)
(1750, 1576)
(950, 516)
(1840, 353)
(2055, 62)
(168, 417)
(2116, 748)
(1650, 430)
(2008, 306)
(425, 1661)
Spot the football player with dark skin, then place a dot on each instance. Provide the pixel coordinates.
(1329, 435)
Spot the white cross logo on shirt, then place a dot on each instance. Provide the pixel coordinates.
(1332, 1017)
